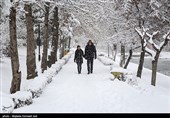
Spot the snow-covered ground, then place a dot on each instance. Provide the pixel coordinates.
(94, 93)
(6, 72)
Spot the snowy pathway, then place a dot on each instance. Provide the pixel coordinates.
(94, 93)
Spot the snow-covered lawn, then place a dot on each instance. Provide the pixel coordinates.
(96, 93)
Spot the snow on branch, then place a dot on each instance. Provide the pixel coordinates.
(139, 32)
(151, 36)
(166, 38)
(99, 1)
(55, 4)
(154, 50)
(81, 9)
(150, 52)
(40, 6)
(142, 33)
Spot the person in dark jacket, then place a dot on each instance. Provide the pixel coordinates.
(78, 58)
(90, 54)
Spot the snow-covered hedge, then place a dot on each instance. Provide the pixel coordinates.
(37, 85)
(105, 60)
(34, 88)
(47, 76)
(22, 98)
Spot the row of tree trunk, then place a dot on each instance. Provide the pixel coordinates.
(143, 46)
(31, 45)
(44, 63)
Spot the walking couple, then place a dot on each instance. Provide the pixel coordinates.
(90, 54)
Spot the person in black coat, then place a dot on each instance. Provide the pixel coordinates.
(90, 54)
(78, 58)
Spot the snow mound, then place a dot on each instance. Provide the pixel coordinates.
(37, 85)
(21, 98)
(105, 60)
(8, 104)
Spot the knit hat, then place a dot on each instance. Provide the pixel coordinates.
(90, 41)
(78, 46)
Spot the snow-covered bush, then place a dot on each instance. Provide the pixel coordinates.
(22, 98)
(130, 78)
(61, 62)
(57, 67)
(16, 100)
(37, 85)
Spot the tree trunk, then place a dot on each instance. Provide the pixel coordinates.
(69, 44)
(16, 73)
(108, 50)
(53, 57)
(141, 62)
(31, 60)
(129, 58)
(122, 58)
(154, 71)
(115, 51)
(45, 42)
(62, 49)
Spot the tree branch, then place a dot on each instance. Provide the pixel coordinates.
(156, 47)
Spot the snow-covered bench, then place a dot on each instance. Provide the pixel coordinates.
(123, 75)
(117, 72)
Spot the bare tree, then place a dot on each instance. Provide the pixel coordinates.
(31, 60)
(142, 35)
(55, 38)
(155, 51)
(130, 55)
(122, 57)
(114, 51)
(46, 41)
(16, 73)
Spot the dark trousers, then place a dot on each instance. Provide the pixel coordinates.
(90, 65)
(79, 67)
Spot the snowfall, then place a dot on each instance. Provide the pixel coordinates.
(61, 89)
